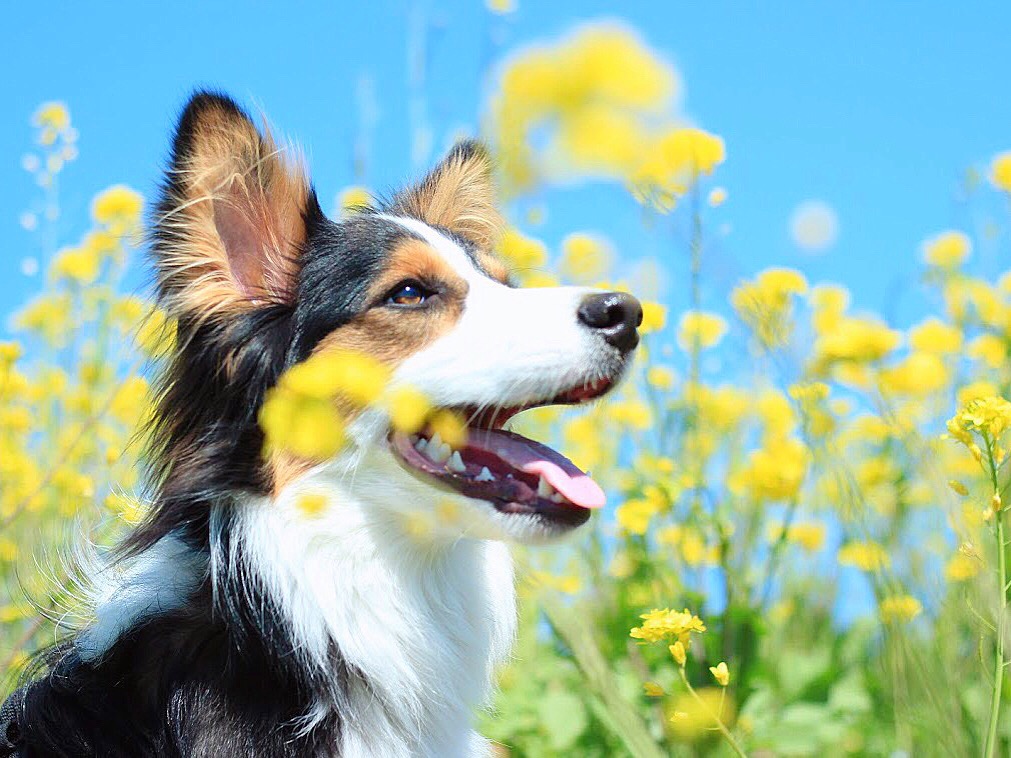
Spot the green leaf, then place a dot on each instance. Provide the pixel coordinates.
(563, 716)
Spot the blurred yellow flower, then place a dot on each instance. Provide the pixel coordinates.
(673, 163)
(865, 555)
(521, 252)
(501, 7)
(654, 317)
(899, 608)
(408, 409)
(934, 336)
(660, 377)
(717, 197)
(78, 264)
(311, 504)
(118, 208)
(652, 689)
(947, 250)
(352, 199)
(961, 568)
(52, 115)
(810, 535)
(693, 719)
(585, 257)
(701, 329)
(1000, 171)
(989, 349)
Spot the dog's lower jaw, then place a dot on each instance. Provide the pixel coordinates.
(420, 620)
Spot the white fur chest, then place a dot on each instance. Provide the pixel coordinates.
(424, 621)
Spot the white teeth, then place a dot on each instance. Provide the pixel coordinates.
(439, 454)
(435, 441)
(421, 445)
(455, 463)
(544, 489)
(485, 475)
(557, 498)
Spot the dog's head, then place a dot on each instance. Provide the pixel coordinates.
(259, 279)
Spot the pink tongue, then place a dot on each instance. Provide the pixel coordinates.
(534, 458)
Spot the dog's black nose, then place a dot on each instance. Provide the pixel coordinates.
(616, 316)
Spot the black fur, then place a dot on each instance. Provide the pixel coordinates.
(217, 677)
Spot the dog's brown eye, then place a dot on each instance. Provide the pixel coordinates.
(408, 293)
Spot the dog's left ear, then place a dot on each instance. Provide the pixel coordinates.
(458, 195)
(233, 216)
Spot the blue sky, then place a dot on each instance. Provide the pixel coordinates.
(875, 108)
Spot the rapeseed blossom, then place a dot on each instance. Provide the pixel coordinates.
(665, 624)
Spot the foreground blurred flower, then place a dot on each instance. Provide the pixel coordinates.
(585, 257)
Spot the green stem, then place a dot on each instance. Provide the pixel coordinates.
(998, 672)
(716, 718)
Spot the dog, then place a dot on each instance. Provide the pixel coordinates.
(230, 624)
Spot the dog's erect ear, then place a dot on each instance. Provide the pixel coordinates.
(458, 194)
(232, 220)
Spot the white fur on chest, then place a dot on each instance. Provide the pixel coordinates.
(424, 621)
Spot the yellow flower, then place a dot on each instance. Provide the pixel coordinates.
(585, 258)
(947, 250)
(9, 353)
(673, 163)
(654, 317)
(776, 471)
(934, 336)
(717, 196)
(721, 673)
(989, 349)
(961, 567)
(652, 689)
(809, 535)
(501, 7)
(633, 516)
(449, 425)
(352, 198)
(975, 391)
(702, 329)
(678, 653)
(1000, 171)
(693, 548)
(311, 504)
(408, 409)
(76, 263)
(990, 416)
(766, 304)
(867, 556)
(118, 208)
(899, 608)
(309, 427)
(356, 377)
(666, 624)
(958, 487)
(52, 115)
(522, 253)
(660, 377)
(855, 339)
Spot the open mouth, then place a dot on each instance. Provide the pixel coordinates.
(515, 474)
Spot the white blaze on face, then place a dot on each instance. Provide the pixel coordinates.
(509, 346)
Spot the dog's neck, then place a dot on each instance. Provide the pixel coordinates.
(418, 619)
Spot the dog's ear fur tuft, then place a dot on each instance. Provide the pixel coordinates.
(231, 224)
(459, 195)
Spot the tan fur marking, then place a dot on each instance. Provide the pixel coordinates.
(236, 224)
(459, 195)
(496, 269)
(391, 334)
(394, 334)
